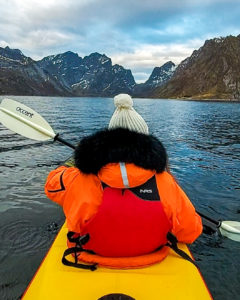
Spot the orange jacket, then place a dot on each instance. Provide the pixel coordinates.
(79, 189)
(81, 194)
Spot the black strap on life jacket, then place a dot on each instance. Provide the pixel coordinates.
(79, 242)
(172, 243)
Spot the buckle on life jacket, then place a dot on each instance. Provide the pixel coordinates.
(80, 240)
(75, 251)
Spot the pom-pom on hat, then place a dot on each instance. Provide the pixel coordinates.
(125, 116)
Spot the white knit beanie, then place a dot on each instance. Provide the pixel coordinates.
(125, 116)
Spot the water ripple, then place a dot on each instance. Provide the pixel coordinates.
(23, 237)
(203, 144)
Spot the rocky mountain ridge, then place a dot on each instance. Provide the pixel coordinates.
(211, 72)
(20, 75)
(159, 76)
(93, 75)
(67, 74)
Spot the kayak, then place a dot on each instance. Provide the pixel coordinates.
(173, 278)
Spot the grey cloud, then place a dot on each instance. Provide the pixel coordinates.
(116, 28)
(81, 18)
(79, 15)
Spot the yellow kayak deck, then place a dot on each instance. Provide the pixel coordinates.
(173, 278)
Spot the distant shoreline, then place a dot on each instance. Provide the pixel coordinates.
(137, 97)
(206, 100)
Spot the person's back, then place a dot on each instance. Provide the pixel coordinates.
(120, 196)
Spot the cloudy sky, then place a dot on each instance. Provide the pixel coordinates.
(138, 34)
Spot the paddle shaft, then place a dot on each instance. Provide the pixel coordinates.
(217, 223)
(59, 139)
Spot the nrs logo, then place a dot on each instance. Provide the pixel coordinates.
(24, 112)
(146, 191)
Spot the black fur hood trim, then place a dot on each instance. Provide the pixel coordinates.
(119, 145)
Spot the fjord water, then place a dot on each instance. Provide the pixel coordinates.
(203, 143)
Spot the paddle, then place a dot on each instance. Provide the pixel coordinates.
(230, 229)
(25, 121)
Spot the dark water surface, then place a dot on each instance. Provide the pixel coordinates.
(203, 143)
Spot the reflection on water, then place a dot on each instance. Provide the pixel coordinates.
(203, 143)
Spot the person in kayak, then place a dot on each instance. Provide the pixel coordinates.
(122, 205)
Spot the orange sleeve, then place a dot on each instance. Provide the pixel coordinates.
(57, 183)
(187, 224)
(79, 194)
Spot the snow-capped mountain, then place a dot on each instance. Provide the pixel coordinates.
(20, 75)
(211, 72)
(68, 74)
(93, 75)
(13, 55)
(159, 76)
(64, 74)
